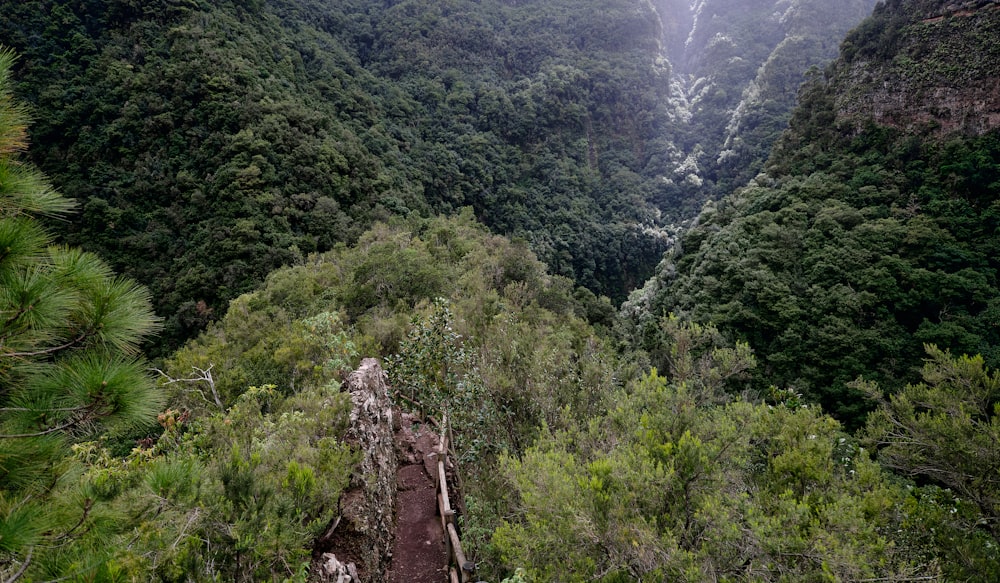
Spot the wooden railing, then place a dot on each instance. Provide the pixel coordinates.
(460, 569)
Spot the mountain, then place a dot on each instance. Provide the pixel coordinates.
(737, 67)
(941, 86)
(874, 229)
(214, 140)
(210, 142)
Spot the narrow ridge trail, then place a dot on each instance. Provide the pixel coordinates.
(419, 554)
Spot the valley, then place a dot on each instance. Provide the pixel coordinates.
(707, 290)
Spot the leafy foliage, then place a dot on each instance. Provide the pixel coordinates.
(211, 143)
(484, 333)
(944, 430)
(854, 251)
(679, 481)
(240, 495)
(245, 477)
(867, 238)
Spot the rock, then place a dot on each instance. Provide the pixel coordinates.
(364, 534)
(333, 571)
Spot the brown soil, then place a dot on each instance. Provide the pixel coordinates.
(419, 554)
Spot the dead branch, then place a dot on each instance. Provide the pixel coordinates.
(203, 375)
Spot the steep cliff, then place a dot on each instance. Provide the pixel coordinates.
(924, 66)
(737, 67)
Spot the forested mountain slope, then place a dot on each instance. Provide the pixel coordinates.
(874, 230)
(209, 142)
(583, 458)
(737, 67)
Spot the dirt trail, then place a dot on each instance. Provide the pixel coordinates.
(419, 554)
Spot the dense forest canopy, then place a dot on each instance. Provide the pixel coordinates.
(807, 389)
(209, 143)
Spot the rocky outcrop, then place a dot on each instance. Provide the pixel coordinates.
(923, 65)
(363, 535)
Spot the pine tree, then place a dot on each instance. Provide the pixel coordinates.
(70, 368)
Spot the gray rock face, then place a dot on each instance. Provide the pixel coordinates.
(365, 533)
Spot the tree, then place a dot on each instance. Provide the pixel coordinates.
(945, 431)
(70, 370)
(678, 482)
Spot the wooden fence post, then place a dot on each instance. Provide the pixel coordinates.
(461, 569)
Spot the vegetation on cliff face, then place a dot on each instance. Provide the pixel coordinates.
(857, 247)
(849, 268)
(737, 67)
(924, 67)
(867, 246)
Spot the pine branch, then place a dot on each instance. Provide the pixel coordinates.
(51, 349)
(24, 567)
(39, 433)
(47, 409)
(87, 505)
